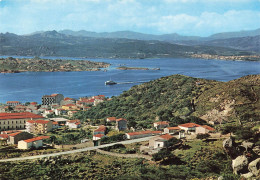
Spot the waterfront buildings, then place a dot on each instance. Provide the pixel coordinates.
(52, 99)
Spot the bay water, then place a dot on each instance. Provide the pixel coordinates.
(31, 86)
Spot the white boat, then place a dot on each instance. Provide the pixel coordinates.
(110, 82)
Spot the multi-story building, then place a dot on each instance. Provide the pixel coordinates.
(13, 103)
(52, 99)
(9, 121)
(38, 126)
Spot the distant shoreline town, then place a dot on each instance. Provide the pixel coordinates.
(232, 58)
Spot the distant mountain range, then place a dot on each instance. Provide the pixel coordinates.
(53, 43)
(126, 44)
(165, 37)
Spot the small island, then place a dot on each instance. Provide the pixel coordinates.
(135, 68)
(16, 65)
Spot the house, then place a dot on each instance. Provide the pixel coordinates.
(3, 139)
(67, 100)
(60, 121)
(160, 125)
(171, 130)
(204, 129)
(189, 127)
(70, 107)
(85, 101)
(52, 99)
(98, 101)
(159, 141)
(121, 124)
(9, 121)
(141, 134)
(55, 125)
(13, 138)
(97, 137)
(38, 126)
(20, 108)
(13, 103)
(111, 119)
(36, 142)
(73, 124)
(71, 113)
(101, 130)
(47, 112)
(60, 111)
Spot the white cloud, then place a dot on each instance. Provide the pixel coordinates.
(208, 22)
(114, 15)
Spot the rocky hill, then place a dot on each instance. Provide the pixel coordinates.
(180, 99)
(9, 65)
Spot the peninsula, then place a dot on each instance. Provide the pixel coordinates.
(16, 65)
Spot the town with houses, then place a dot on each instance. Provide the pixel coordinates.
(25, 125)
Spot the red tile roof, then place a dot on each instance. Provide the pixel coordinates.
(166, 136)
(208, 128)
(189, 125)
(99, 135)
(111, 118)
(67, 98)
(9, 132)
(4, 136)
(173, 128)
(36, 139)
(74, 121)
(9, 102)
(54, 122)
(22, 115)
(33, 103)
(14, 134)
(121, 119)
(30, 121)
(162, 123)
(101, 128)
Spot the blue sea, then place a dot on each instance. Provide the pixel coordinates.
(31, 86)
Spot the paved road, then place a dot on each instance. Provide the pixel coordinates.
(77, 150)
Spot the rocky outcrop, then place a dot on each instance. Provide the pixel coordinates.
(240, 165)
(245, 157)
(247, 145)
(254, 167)
(231, 148)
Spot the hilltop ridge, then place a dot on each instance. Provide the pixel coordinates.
(177, 98)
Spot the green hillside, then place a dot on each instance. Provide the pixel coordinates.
(180, 99)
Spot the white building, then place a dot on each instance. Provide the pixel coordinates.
(73, 124)
(32, 143)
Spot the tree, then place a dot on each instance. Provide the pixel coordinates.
(165, 156)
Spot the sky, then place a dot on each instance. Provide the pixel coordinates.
(185, 17)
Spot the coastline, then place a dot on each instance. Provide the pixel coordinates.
(18, 65)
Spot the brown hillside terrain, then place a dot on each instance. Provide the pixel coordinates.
(231, 101)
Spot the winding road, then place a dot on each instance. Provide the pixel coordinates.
(77, 150)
